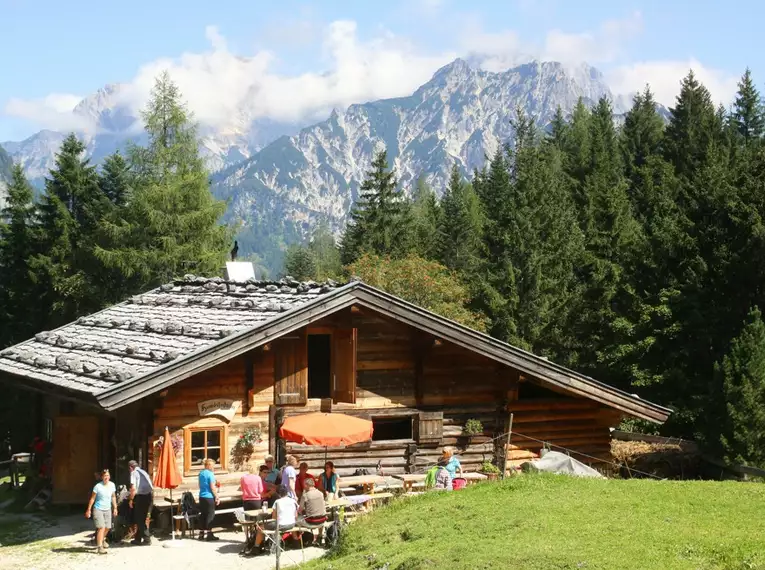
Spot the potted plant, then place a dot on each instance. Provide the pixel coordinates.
(245, 446)
(473, 427)
(490, 470)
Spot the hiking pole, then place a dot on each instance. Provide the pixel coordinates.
(277, 534)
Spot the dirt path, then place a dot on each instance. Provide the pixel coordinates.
(36, 543)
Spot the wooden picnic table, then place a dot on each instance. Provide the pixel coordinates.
(367, 482)
(409, 479)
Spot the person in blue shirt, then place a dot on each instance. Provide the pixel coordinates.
(450, 462)
(208, 499)
(102, 504)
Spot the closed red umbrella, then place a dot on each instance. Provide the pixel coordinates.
(166, 475)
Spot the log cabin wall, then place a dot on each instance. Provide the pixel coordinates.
(419, 389)
(247, 380)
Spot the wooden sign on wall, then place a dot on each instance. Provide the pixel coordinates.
(222, 407)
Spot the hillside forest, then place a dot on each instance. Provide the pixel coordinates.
(627, 252)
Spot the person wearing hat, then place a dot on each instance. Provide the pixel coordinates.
(140, 501)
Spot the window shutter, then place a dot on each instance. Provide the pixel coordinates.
(430, 428)
(344, 365)
(291, 369)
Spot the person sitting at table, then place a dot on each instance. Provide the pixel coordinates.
(273, 473)
(252, 489)
(312, 505)
(451, 463)
(302, 476)
(329, 482)
(269, 491)
(284, 515)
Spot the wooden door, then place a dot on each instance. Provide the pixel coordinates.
(75, 458)
(291, 369)
(344, 365)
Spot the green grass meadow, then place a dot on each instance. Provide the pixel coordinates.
(548, 522)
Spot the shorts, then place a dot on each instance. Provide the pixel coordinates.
(271, 525)
(102, 518)
(314, 521)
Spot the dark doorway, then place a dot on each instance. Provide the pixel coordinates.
(391, 428)
(319, 366)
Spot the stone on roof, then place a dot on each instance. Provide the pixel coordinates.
(149, 330)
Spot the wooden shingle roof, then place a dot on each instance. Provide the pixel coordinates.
(129, 340)
(154, 340)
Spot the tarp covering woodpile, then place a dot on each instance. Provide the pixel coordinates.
(562, 464)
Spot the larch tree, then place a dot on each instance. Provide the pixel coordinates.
(171, 224)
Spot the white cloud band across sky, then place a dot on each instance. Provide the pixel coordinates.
(225, 89)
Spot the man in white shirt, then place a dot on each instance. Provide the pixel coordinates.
(285, 515)
(140, 501)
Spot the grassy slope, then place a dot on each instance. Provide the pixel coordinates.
(553, 522)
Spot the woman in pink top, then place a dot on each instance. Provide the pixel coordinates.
(252, 490)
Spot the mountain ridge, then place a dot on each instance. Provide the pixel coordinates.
(280, 179)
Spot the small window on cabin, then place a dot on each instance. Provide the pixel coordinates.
(204, 444)
(319, 366)
(391, 428)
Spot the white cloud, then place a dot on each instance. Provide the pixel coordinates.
(226, 90)
(53, 111)
(603, 46)
(664, 78)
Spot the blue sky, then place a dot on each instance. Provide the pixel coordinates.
(310, 57)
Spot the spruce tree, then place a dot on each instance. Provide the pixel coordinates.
(642, 133)
(19, 297)
(748, 112)
(460, 233)
(71, 209)
(171, 224)
(741, 377)
(114, 179)
(529, 288)
(380, 219)
(692, 128)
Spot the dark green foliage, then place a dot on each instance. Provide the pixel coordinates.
(748, 113)
(692, 128)
(426, 219)
(115, 179)
(381, 218)
(529, 287)
(741, 376)
(70, 210)
(299, 263)
(170, 224)
(460, 232)
(19, 295)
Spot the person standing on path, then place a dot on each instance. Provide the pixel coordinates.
(140, 501)
(102, 505)
(208, 499)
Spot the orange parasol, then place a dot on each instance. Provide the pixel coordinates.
(326, 429)
(166, 475)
